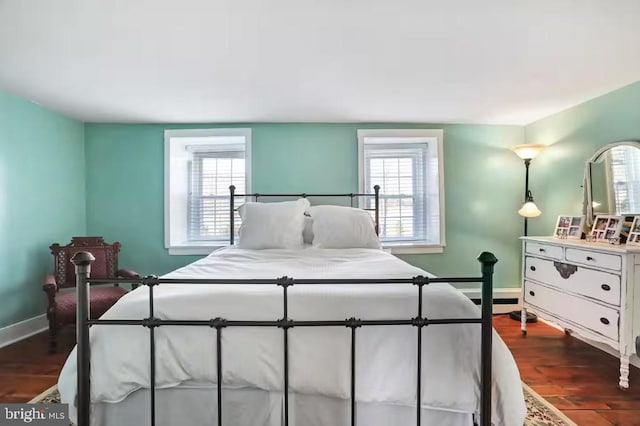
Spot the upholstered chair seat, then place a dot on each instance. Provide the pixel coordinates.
(100, 300)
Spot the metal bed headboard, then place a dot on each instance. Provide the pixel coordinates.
(256, 196)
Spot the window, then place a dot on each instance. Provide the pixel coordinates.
(200, 165)
(408, 167)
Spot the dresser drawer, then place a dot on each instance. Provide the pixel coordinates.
(603, 286)
(595, 259)
(541, 249)
(584, 313)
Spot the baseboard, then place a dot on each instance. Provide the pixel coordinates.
(23, 329)
(633, 360)
(504, 299)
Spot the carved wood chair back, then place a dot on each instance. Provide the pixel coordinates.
(105, 265)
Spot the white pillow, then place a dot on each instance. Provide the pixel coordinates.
(343, 227)
(272, 225)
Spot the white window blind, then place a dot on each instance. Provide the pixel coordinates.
(625, 172)
(406, 166)
(212, 172)
(400, 172)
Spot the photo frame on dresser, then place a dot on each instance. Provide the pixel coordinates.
(569, 227)
(634, 232)
(607, 228)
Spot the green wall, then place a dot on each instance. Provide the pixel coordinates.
(483, 187)
(42, 200)
(573, 136)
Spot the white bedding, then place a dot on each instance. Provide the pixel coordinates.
(319, 357)
(195, 406)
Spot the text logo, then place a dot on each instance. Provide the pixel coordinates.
(34, 414)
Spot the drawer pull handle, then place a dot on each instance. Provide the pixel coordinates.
(565, 269)
(542, 250)
(589, 258)
(532, 293)
(606, 287)
(533, 268)
(604, 321)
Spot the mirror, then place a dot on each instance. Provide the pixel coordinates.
(612, 181)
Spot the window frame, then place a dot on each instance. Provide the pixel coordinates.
(176, 185)
(399, 247)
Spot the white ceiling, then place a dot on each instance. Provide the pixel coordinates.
(465, 61)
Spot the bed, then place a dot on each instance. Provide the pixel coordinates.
(324, 377)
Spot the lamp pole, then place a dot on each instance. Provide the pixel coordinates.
(527, 162)
(517, 315)
(527, 152)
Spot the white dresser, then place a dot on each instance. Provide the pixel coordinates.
(585, 288)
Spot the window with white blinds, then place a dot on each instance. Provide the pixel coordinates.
(406, 165)
(625, 174)
(200, 165)
(212, 171)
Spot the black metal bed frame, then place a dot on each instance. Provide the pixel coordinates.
(83, 260)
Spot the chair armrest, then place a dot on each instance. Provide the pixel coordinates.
(127, 273)
(50, 285)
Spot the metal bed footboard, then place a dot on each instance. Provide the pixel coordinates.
(83, 260)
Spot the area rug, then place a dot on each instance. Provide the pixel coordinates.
(50, 396)
(539, 411)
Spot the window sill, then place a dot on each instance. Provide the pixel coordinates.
(413, 249)
(195, 249)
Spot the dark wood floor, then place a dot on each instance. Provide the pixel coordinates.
(578, 379)
(573, 376)
(27, 368)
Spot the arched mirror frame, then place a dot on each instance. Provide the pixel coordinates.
(587, 208)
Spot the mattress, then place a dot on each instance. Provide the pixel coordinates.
(319, 357)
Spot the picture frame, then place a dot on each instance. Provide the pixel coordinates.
(634, 232)
(569, 227)
(607, 228)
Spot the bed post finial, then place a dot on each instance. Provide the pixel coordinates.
(376, 190)
(82, 261)
(232, 216)
(488, 261)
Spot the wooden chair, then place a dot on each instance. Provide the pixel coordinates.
(61, 308)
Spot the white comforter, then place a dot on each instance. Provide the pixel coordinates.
(319, 357)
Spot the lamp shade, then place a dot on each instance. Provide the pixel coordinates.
(528, 151)
(529, 209)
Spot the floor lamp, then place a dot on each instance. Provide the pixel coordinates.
(527, 153)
